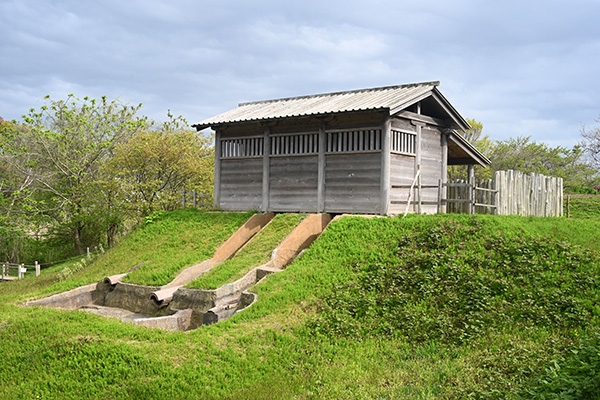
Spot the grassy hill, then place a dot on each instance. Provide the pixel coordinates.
(424, 307)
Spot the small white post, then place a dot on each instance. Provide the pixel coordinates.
(88, 253)
(37, 269)
(21, 271)
(3, 271)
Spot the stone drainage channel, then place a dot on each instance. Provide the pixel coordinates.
(174, 307)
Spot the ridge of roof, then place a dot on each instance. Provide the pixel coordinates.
(311, 96)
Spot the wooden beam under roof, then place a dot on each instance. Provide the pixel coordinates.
(422, 118)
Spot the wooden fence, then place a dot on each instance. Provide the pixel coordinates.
(17, 271)
(509, 193)
(479, 197)
(195, 198)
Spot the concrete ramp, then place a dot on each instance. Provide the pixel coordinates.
(227, 250)
(174, 307)
(233, 297)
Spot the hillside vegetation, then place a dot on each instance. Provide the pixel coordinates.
(582, 206)
(429, 307)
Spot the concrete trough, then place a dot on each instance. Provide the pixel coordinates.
(174, 307)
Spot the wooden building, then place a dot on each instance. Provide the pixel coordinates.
(346, 152)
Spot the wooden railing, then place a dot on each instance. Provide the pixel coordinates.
(195, 202)
(17, 271)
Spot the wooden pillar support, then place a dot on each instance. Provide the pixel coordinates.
(266, 170)
(444, 180)
(217, 187)
(321, 169)
(418, 155)
(386, 157)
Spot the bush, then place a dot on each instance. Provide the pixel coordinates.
(454, 283)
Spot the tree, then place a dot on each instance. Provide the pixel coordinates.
(60, 149)
(80, 168)
(481, 142)
(527, 156)
(15, 198)
(155, 165)
(591, 144)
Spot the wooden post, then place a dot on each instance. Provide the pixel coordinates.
(217, 187)
(37, 269)
(471, 189)
(266, 170)
(410, 192)
(195, 199)
(3, 271)
(444, 171)
(386, 159)
(561, 195)
(419, 208)
(494, 186)
(322, 144)
(439, 206)
(568, 206)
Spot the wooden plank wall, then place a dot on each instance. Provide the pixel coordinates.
(431, 171)
(241, 184)
(353, 183)
(402, 171)
(518, 194)
(529, 194)
(293, 184)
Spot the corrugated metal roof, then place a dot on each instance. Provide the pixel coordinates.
(389, 97)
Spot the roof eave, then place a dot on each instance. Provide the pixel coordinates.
(449, 108)
(475, 154)
(200, 126)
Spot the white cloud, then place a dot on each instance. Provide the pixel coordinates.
(520, 67)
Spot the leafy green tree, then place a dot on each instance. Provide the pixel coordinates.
(481, 142)
(15, 198)
(60, 150)
(591, 143)
(527, 156)
(155, 165)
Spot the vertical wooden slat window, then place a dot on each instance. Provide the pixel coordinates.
(403, 142)
(356, 141)
(242, 148)
(295, 144)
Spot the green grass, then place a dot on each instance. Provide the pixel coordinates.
(254, 254)
(169, 245)
(284, 347)
(582, 206)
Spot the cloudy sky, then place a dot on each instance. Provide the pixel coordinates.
(523, 68)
